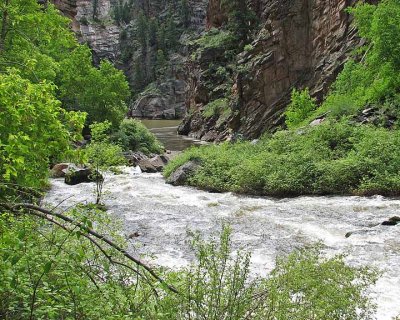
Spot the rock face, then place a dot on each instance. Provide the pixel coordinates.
(94, 23)
(302, 43)
(169, 103)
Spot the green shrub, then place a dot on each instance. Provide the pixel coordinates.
(301, 106)
(133, 135)
(102, 155)
(34, 130)
(216, 107)
(307, 286)
(332, 158)
(216, 38)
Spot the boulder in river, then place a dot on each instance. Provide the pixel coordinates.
(183, 173)
(146, 166)
(59, 170)
(82, 175)
(393, 221)
(159, 162)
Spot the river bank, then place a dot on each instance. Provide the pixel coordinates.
(159, 217)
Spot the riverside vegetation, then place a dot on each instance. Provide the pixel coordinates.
(339, 155)
(75, 264)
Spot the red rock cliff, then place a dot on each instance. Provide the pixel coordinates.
(302, 43)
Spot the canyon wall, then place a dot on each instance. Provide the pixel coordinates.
(301, 43)
(95, 23)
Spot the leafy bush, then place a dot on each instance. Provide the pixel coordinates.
(51, 271)
(307, 286)
(133, 135)
(102, 155)
(332, 158)
(216, 107)
(300, 108)
(373, 76)
(216, 38)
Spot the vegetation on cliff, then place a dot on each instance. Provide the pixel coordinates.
(346, 151)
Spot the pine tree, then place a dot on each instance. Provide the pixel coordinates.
(161, 63)
(171, 34)
(185, 13)
(153, 30)
(241, 19)
(142, 29)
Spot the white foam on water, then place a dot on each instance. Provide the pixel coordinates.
(267, 227)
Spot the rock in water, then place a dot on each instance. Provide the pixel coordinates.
(183, 173)
(58, 171)
(82, 175)
(146, 166)
(393, 221)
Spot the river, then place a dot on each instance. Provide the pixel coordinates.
(166, 133)
(162, 215)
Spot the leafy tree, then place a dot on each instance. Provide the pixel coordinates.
(106, 88)
(142, 30)
(171, 32)
(34, 130)
(161, 63)
(153, 30)
(140, 76)
(38, 42)
(33, 39)
(133, 135)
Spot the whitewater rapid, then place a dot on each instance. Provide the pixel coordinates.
(162, 215)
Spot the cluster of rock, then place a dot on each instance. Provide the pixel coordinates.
(75, 174)
(149, 164)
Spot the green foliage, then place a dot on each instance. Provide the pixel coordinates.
(242, 20)
(161, 63)
(374, 76)
(34, 130)
(33, 39)
(106, 89)
(332, 158)
(102, 155)
(48, 272)
(216, 38)
(216, 107)
(301, 106)
(185, 13)
(306, 285)
(133, 135)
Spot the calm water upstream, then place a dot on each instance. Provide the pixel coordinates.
(162, 215)
(166, 133)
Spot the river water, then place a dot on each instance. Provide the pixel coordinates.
(166, 133)
(162, 215)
